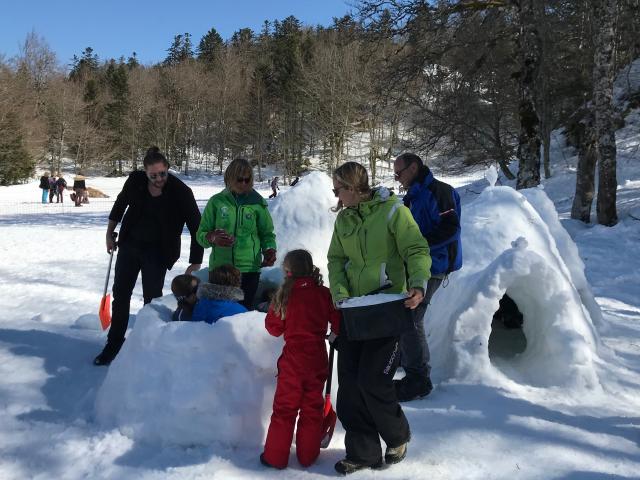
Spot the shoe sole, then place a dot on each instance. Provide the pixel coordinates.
(394, 460)
(377, 467)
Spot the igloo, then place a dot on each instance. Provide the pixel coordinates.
(513, 243)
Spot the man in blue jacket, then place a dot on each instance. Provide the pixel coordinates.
(435, 206)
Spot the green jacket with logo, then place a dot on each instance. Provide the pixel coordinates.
(371, 245)
(247, 218)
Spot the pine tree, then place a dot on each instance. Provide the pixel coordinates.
(85, 65)
(16, 165)
(116, 110)
(209, 47)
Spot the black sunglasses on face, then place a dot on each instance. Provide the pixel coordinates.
(153, 176)
(397, 174)
(243, 179)
(182, 298)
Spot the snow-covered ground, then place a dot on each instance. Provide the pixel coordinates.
(190, 401)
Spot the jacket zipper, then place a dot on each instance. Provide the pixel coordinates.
(235, 232)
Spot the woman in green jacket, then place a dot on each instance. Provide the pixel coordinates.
(375, 242)
(238, 228)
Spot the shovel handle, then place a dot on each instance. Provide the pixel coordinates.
(330, 376)
(106, 282)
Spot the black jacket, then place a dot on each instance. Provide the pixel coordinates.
(178, 207)
(44, 182)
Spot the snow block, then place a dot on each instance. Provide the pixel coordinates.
(190, 383)
(513, 243)
(302, 218)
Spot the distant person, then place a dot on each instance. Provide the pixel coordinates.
(79, 190)
(153, 206)
(295, 182)
(435, 206)
(61, 184)
(237, 226)
(301, 310)
(52, 187)
(44, 186)
(274, 187)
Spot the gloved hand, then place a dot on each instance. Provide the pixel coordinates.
(269, 257)
(336, 341)
(220, 238)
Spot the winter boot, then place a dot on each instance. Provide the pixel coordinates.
(395, 454)
(107, 355)
(346, 466)
(264, 462)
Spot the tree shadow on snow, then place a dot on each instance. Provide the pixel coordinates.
(582, 475)
(59, 219)
(454, 407)
(72, 381)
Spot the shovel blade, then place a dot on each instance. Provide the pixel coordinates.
(105, 311)
(328, 424)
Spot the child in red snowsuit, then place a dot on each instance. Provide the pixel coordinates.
(301, 309)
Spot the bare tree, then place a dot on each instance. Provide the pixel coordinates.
(603, 75)
(529, 54)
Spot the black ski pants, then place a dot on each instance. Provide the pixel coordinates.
(367, 405)
(131, 260)
(249, 284)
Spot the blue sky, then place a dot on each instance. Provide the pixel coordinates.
(118, 27)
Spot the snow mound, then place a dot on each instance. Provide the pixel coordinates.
(513, 242)
(190, 383)
(303, 218)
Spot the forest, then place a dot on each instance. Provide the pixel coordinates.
(462, 83)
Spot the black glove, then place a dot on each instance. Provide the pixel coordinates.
(336, 341)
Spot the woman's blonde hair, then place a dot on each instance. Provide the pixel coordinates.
(354, 176)
(240, 167)
(297, 263)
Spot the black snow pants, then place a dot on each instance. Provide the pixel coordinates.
(367, 405)
(131, 260)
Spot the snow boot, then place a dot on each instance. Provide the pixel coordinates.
(395, 454)
(410, 389)
(107, 355)
(346, 466)
(264, 462)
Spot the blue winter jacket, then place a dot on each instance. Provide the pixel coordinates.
(217, 301)
(435, 206)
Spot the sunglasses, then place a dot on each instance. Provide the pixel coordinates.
(153, 176)
(182, 298)
(397, 174)
(246, 180)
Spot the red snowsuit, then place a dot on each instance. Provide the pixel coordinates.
(302, 372)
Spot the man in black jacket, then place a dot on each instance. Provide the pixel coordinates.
(159, 205)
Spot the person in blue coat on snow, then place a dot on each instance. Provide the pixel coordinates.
(435, 206)
(208, 302)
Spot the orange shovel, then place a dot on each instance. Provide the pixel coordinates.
(105, 304)
(329, 415)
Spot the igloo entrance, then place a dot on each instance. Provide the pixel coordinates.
(507, 338)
